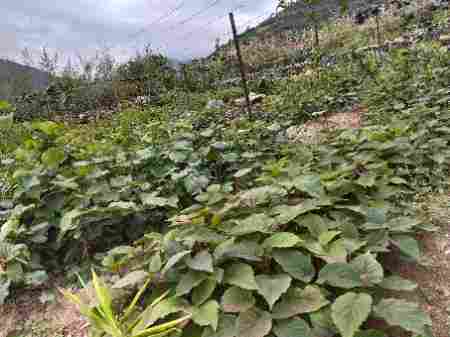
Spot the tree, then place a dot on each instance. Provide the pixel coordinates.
(314, 17)
(284, 4)
(69, 70)
(150, 72)
(47, 62)
(27, 57)
(105, 66)
(87, 66)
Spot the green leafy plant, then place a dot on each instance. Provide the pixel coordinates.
(104, 321)
(6, 116)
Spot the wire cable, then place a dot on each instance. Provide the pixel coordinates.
(193, 16)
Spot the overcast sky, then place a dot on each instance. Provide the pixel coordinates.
(74, 27)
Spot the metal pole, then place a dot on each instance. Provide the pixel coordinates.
(241, 64)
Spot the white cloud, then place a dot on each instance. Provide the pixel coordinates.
(81, 26)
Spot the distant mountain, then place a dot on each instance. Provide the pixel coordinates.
(16, 79)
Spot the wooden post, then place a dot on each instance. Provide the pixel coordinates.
(185, 77)
(377, 19)
(241, 65)
(186, 84)
(316, 35)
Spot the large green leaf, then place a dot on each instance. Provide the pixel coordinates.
(69, 221)
(402, 224)
(236, 299)
(271, 287)
(376, 215)
(207, 315)
(299, 301)
(203, 261)
(254, 323)
(326, 237)
(121, 181)
(261, 195)
(189, 281)
(15, 272)
(246, 250)
(336, 252)
(407, 245)
(53, 157)
(226, 328)
(350, 311)
(36, 278)
(6, 122)
(322, 322)
(371, 271)
(204, 291)
(295, 263)
(241, 275)
(366, 180)
(340, 275)
(286, 214)
(174, 260)
(404, 314)
(309, 184)
(316, 224)
(281, 240)
(398, 283)
(255, 223)
(149, 199)
(4, 289)
(155, 263)
(49, 128)
(293, 328)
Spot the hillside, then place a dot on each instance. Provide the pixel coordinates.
(285, 41)
(297, 17)
(16, 78)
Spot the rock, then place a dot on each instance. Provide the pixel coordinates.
(4, 215)
(254, 98)
(215, 104)
(143, 100)
(303, 134)
(6, 205)
(445, 39)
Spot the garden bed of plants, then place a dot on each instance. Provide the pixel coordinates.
(243, 232)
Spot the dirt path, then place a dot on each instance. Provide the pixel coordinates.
(433, 277)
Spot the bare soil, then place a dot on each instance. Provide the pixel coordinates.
(433, 274)
(26, 316)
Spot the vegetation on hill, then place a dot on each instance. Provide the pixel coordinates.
(17, 79)
(217, 218)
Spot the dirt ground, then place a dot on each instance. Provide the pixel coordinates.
(433, 275)
(28, 317)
